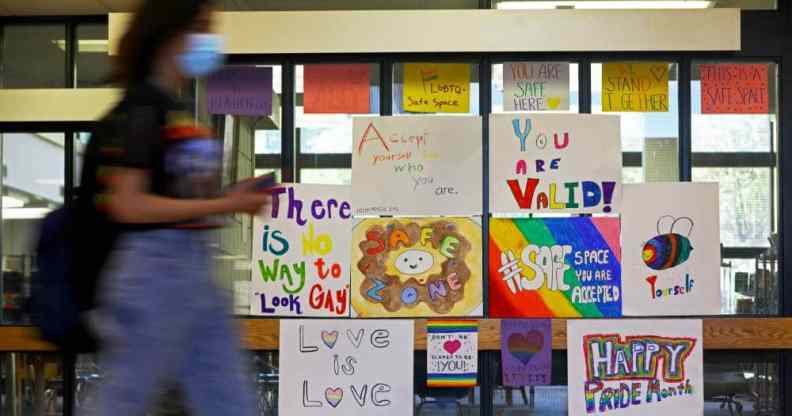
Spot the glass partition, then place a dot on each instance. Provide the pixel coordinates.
(31, 188)
(31, 384)
(650, 137)
(734, 142)
(328, 98)
(33, 56)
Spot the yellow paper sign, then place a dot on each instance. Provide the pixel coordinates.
(635, 87)
(436, 88)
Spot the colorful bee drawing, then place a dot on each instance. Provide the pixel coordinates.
(668, 250)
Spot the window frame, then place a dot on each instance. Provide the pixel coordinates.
(764, 39)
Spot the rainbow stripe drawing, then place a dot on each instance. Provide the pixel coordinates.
(555, 267)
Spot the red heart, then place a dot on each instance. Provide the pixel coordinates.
(452, 346)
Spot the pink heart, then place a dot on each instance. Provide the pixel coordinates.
(452, 346)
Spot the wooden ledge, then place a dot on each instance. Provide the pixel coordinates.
(262, 334)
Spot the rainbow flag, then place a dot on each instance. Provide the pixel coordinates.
(555, 267)
(452, 353)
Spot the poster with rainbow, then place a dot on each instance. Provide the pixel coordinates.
(555, 267)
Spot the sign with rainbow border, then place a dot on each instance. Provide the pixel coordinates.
(451, 353)
(555, 267)
(635, 367)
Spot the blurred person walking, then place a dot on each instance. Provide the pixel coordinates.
(157, 175)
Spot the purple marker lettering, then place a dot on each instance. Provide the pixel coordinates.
(276, 193)
(295, 208)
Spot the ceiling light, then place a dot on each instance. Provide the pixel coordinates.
(25, 213)
(11, 202)
(596, 4)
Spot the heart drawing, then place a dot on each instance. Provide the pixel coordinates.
(523, 347)
(334, 396)
(329, 338)
(452, 346)
(659, 72)
(554, 102)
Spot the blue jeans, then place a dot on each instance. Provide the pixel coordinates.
(162, 318)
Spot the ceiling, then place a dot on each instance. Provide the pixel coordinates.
(98, 7)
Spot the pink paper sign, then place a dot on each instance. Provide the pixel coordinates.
(336, 88)
(734, 89)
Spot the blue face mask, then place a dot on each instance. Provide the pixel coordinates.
(204, 54)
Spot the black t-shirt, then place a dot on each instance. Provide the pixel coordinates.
(152, 131)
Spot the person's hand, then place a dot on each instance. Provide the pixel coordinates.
(245, 198)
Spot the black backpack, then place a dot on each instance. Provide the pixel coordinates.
(55, 304)
(74, 244)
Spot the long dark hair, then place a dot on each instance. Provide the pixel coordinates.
(156, 22)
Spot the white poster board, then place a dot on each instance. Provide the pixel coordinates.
(301, 248)
(346, 367)
(536, 86)
(635, 367)
(555, 163)
(671, 249)
(417, 165)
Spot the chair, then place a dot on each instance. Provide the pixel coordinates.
(528, 399)
(440, 397)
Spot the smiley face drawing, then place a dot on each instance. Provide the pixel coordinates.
(416, 267)
(414, 262)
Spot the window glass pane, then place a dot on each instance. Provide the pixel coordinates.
(398, 92)
(750, 286)
(331, 132)
(266, 376)
(251, 146)
(261, 172)
(745, 204)
(727, 148)
(734, 132)
(498, 93)
(80, 143)
(31, 384)
(88, 378)
(637, 128)
(93, 61)
(31, 187)
(741, 383)
(632, 175)
(652, 134)
(268, 142)
(326, 176)
(34, 56)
